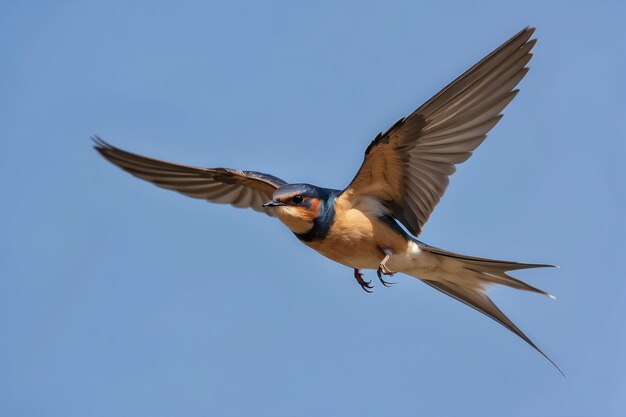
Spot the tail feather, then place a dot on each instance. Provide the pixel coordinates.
(481, 302)
(503, 278)
(467, 279)
(502, 265)
(493, 271)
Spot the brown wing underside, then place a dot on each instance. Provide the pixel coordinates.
(408, 166)
(217, 185)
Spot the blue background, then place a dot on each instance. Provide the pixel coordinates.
(121, 299)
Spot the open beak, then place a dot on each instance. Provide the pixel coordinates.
(273, 203)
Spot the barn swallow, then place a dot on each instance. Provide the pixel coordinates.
(373, 222)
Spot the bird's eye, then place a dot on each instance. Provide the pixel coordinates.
(297, 199)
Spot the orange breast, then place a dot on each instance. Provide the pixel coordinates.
(357, 237)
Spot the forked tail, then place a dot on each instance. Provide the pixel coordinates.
(467, 279)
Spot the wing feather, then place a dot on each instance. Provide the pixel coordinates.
(407, 167)
(217, 185)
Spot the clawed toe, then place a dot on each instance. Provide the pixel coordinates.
(366, 285)
(382, 270)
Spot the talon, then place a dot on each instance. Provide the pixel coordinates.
(386, 284)
(380, 272)
(366, 285)
(383, 270)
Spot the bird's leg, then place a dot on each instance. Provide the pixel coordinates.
(366, 285)
(383, 270)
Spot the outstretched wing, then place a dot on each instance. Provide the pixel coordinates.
(217, 185)
(408, 166)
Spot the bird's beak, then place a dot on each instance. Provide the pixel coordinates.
(273, 203)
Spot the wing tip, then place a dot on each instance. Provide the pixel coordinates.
(526, 33)
(529, 30)
(100, 144)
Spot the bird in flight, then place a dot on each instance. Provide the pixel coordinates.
(402, 178)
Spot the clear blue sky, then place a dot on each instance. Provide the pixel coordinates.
(121, 299)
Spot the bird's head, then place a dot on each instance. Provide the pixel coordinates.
(299, 205)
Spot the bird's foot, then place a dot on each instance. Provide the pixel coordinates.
(366, 285)
(383, 270)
